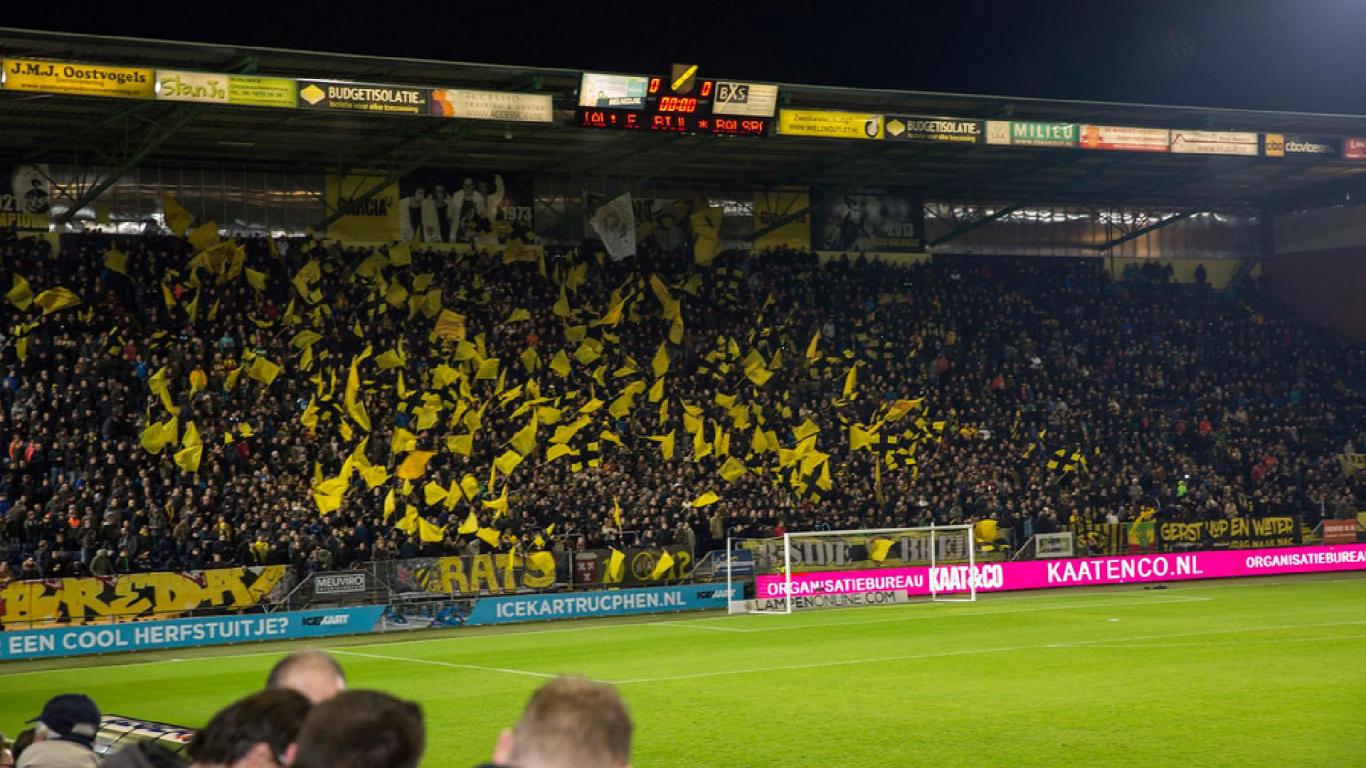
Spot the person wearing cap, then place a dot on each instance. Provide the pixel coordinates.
(65, 734)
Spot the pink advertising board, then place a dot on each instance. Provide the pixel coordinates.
(1073, 572)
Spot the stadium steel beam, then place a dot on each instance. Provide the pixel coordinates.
(180, 115)
(1141, 231)
(963, 229)
(346, 207)
(183, 115)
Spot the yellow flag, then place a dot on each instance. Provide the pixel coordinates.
(20, 294)
(414, 464)
(662, 566)
(263, 370)
(188, 458)
(488, 535)
(56, 299)
(813, 352)
(616, 569)
(488, 370)
(177, 218)
(616, 513)
(850, 382)
(878, 549)
(157, 436)
(560, 364)
(807, 429)
(429, 532)
(450, 325)
(524, 442)
(116, 261)
(733, 469)
(401, 255)
(660, 364)
(507, 462)
(666, 444)
(558, 450)
(470, 525)
(860, 437)
(433, 493)
(498, 505)
(256, 280)
(706, 499)
(204, 236)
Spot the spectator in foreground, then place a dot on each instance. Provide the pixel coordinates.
(258, 731)
(361, 729)
(65, 734)
(569, 723)
(6, 757)
(315, 674)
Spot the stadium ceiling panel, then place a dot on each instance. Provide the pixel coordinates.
(95, 131)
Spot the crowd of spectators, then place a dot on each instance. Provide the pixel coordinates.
(1198, 402)
(307, 718)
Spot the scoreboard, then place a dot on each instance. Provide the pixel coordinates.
(682, 104)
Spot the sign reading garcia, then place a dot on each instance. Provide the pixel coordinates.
(363, 97)
(78, 79)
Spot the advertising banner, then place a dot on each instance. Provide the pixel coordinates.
(1352, 463)
(186, 633)
(1214, 143)
(1027, 134)
(1354, 148)
(824, 124)
(132, 595)
(340, 584)
(492, 105)
(998, 131)
(811, 554)
(591, 567)
(614, 91)
(213, 88)
(1051, 545)
(1076, 572)
(25, 198)
(745, 99)
(375, 220)
(943, 129)
(1125, 138)
(620, 602)
(470, 575)
(791, 206)
(363, 97)
(1339, 531)
(1238, 532)
(79, 79)
(481, 209)
(867, 222)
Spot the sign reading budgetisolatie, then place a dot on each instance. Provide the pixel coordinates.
(363, 97)
(68, 78)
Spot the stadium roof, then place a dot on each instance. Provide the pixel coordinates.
(109, 132)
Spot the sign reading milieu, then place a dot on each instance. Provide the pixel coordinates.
(363, 97)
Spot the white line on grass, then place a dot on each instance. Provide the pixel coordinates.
(968, 652)
(451, 664)
(690, 625)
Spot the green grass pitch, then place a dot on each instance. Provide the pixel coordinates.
(1248, 673)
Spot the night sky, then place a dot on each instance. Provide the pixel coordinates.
(1297, 55)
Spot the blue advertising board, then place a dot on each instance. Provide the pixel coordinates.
(184, 633)
(617, 602)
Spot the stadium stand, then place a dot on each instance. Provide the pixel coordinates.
(1032, 391)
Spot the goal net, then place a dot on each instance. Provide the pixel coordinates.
(832, 569)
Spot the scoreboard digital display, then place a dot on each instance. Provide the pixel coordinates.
(683, 105)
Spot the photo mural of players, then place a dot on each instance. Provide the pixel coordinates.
(478, 209)
(867, 222)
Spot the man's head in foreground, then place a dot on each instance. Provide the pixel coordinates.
(255, 732)
(569, 723)
(361, 729)
(312, 673)
(64, 734)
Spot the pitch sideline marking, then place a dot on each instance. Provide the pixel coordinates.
(968, 652)
(437, 663)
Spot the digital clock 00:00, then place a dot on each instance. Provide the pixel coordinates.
(672, 120)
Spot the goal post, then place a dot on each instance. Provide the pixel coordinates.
(850, 568)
